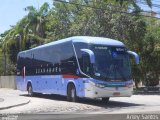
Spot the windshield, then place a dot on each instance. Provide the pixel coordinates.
(111, 63)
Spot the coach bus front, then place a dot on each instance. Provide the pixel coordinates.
(110, 72)
(111, 64)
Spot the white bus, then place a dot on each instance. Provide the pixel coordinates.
(77, 67)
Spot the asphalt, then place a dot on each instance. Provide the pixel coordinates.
(9, 99)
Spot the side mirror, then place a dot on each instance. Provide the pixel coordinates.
(91, 55)
(136, 57)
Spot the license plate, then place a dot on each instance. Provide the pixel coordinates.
(116, 94)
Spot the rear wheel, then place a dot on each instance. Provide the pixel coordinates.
(105, 100)
(30, 90)
(71, 93)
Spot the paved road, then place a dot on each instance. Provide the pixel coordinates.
(57, 104)
(11, 98)
(1, 99)
(52, 107)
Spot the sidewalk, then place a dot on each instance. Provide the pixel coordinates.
(12, 98)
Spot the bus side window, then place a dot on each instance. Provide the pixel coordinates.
(86, 63)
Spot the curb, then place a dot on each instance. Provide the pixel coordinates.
(2, 108)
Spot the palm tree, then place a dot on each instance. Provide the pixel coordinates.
(7, 40)
(36, 22)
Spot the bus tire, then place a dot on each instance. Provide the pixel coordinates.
(71, 93)
(30, 90)
(105, 100)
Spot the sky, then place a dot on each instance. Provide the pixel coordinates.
(155, 7)
(11, 11)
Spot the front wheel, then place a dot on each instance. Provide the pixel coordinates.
(105, 100)
(71, 93)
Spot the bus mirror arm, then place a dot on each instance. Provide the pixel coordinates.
(91, 55)
(136, 56)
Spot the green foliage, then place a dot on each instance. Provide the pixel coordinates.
(1, 62)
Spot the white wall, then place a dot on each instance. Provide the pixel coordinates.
(8, 82)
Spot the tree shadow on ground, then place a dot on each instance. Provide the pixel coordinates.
(93, 102)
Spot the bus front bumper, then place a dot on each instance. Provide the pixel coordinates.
(92, 91)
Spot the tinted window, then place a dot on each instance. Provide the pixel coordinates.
(78, 47)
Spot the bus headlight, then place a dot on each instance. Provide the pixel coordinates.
(100, 85)
(97, 84)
